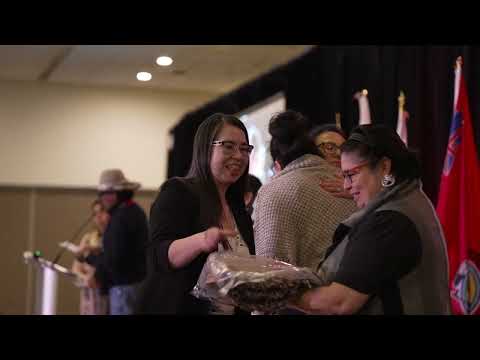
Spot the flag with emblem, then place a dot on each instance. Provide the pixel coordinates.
(457, 206)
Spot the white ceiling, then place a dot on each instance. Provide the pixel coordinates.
(210, 68)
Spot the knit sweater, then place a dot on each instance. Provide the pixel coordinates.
(294, 218)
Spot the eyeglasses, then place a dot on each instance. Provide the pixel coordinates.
(229, 147)
(329, 147)
(348, 174)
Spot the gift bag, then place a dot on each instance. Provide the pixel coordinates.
(253, 283)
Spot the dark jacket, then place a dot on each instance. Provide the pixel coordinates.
(122, 261)
(178, 212)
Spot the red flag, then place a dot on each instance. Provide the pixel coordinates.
(458, 208)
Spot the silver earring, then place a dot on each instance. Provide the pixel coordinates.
(388, 180)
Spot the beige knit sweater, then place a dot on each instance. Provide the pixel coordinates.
(294, 218)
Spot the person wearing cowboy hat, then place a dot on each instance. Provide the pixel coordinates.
(121, 266)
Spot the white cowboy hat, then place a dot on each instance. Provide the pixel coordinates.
(114, 180)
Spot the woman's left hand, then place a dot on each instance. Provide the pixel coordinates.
(335, 187)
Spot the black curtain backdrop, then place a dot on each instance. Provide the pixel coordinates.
(323, 81)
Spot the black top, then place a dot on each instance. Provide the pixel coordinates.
(178, 212)
(383, 248)
(122, 261)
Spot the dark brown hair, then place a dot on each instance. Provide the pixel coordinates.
(373, 142)
(202, 153)
(290, 138)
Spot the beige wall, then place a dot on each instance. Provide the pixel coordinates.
(14, 237)
(54, 142)
(60, 135)
(39, 219)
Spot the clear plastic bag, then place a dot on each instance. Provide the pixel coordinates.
(253, 283)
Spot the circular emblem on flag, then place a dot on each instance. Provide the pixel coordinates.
(466, 287)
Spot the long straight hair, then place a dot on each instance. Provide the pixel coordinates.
(200, 166)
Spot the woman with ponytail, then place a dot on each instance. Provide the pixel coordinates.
(294, 218)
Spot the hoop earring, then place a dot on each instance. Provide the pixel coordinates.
(388, 181)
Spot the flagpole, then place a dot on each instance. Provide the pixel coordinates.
(401, 104)
(458, 72)
(459, 62)
(337, 121)
(402, 118)
(363, 107)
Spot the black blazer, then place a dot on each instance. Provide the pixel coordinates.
(179, 211)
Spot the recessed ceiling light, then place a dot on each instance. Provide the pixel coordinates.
(144, 76)
(164, 60)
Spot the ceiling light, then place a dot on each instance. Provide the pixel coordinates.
(164, 61)
(144, 76)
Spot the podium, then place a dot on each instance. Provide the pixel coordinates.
(46, 284)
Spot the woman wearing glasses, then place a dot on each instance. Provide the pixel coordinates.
(294, 218)
(328, 138)
(196, 215)
(390, 256)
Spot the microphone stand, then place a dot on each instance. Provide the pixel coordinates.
(80, 229)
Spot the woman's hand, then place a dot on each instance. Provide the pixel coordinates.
(182, 251)
(335, 187)
(213, 236)
(333, 299)
(303, 303)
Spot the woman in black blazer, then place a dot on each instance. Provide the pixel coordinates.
(195, 215)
